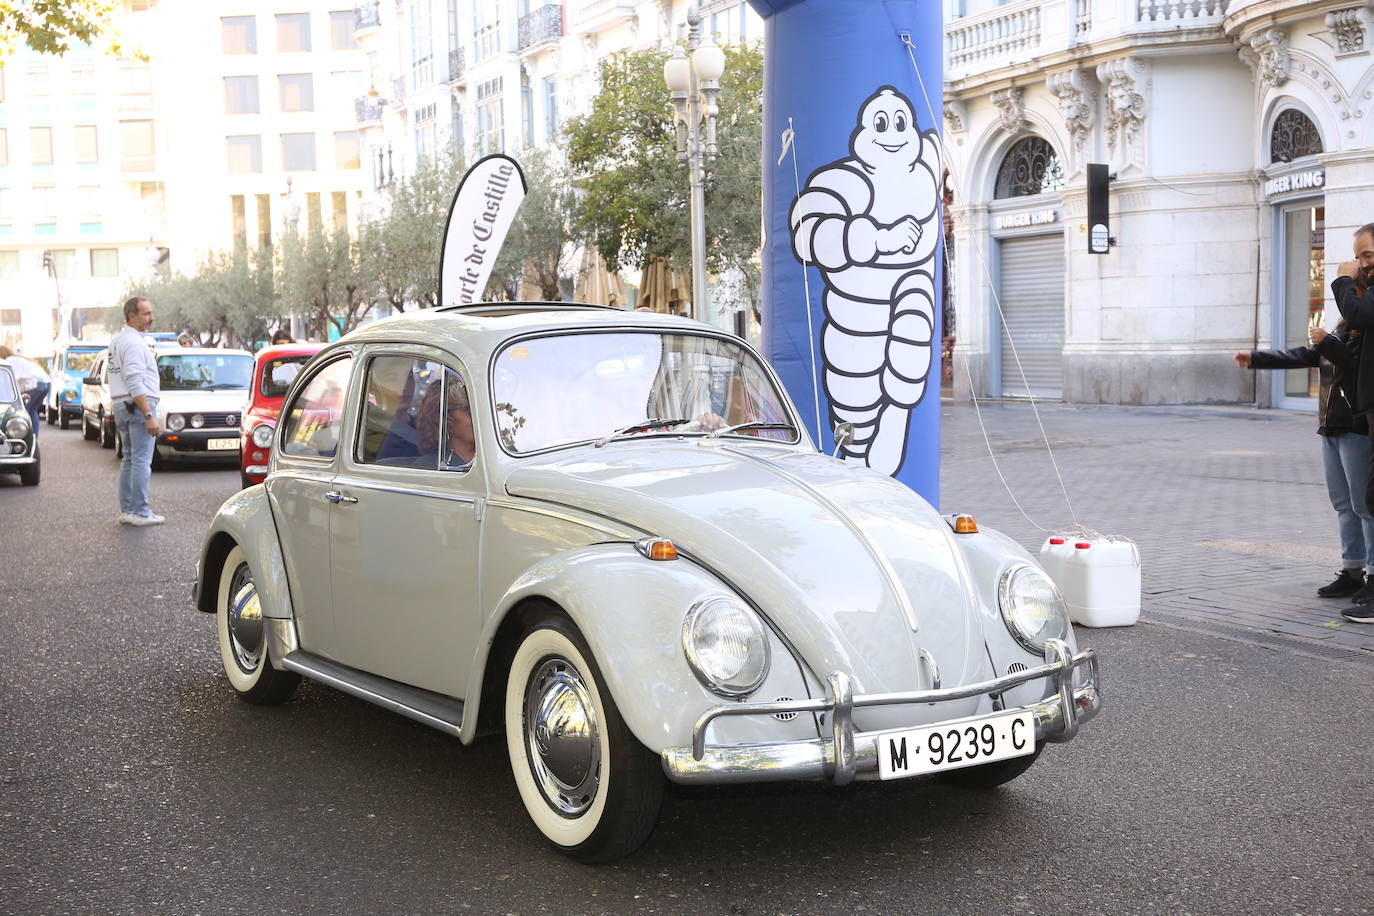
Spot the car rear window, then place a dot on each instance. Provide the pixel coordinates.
(279, 373)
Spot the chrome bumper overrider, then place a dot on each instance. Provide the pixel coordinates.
(846, 753)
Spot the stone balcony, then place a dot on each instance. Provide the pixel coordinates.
(366, 16)
(456, 64)
(595, 15)
(367, 111)
(540, 25)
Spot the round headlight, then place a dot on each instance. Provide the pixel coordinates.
(262, 435)
(1031, 607)
(17, 427)
(197, 420)
(70, 394)
(176, 422)
(726, 646)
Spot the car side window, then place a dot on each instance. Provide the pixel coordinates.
(312, 423)
(398, 426)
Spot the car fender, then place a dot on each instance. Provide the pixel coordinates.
(631, 611)
(245, 519)
(989, 552)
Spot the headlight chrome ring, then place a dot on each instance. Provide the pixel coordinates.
(727, 646)
(262, 435)
(176, 422)
(17, 427)
(1031, 607)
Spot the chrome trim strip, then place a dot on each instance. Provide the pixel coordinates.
(307, 666)
(1060, 665)
(502, 503)
(894, 584)
(814, 759)
(404, 491)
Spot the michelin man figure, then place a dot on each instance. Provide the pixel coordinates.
(868, 223)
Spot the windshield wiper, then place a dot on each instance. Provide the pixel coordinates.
(753, 424)
(639, 427)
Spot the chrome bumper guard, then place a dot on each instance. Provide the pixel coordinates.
(845, 754)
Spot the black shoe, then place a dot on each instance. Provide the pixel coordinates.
(1365, 596)
(1360, 613)
(1343, 586)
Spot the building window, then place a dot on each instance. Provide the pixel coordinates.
(154, 201)
(88, 200)
(264, 220)
(240, 34)
(63, 262)
(293, 32)
(487, 28)
(2, 82)
(298, 152)
(40, 145)
(37, 81)
(136, 146)
(527, 112)
(490, 119)
(550, 109)
(83, 79)
(297, 91)
(340, 203)
(453, 39)
(425, 131)
(239, 215)
(6, 203)
(241, 95)
(4, 146)
(135, 80)
(245, 153)
(346, 150)
(45, 201)
(314, 214)
(1031, 166)
(421, 44)
(9, 265)
(341, 30)
(1293, 137)
(104, 262)
(457, 138)
(86, 148)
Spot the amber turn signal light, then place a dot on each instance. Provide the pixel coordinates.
(657, 549)
(964, 524)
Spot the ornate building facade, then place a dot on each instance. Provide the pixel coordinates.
(1238, 134)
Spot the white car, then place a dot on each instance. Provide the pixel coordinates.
(204, 392)
(608, 535)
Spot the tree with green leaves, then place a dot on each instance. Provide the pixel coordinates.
(636, 202)
(52, 26)
(230, 300)
(400, 249)
(321, 276)
(539, 248)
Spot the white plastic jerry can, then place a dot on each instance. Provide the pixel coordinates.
(1099, 578)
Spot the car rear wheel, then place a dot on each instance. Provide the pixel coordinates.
(589, 786)
(64, 419)
(243, 637)
(88, 432)
(50, 414)
(992, 775)
(30, 473)
(107, 434)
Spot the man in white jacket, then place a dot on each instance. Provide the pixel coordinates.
(134, 393)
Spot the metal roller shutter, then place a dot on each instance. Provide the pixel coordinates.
(1032, 297)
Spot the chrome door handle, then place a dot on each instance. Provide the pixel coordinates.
(334, 496)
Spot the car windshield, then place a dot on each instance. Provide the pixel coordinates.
(204, 371)
(576, 387)
(279, 373)
(7, 392)
(80, 361)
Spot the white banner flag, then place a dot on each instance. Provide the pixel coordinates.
(481, 215)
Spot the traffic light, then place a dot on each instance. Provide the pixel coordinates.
(47, 261)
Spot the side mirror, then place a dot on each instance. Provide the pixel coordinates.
(90, 380)
(844, 434)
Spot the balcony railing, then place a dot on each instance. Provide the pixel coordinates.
(542, 24)
(1001, 36)
(365, 109)
(455, 64)
(1184, 13)
(398, 91)
(366, 16)
(589, 13)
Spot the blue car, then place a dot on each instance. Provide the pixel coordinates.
(69, 366)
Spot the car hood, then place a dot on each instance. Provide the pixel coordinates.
(233, 400)
(840, 558)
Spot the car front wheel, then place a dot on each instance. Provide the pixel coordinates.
(107, 433)
(64, 419)
(88, 432)
(589, 786)
(243, 637)
(29, 474)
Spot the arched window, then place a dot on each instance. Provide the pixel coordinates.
(1031, 166)
(1293, 137)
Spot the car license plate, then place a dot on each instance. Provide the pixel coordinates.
(951, 745)
(222, 445)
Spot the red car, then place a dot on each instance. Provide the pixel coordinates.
(274, 369)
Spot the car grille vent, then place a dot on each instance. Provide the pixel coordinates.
(1015, 668)
(784, 716)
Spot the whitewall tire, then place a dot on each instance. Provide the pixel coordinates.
(589, 786)
(243, 637)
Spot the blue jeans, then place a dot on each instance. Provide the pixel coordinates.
(137, 465)
(34, 403)
(1346, 460)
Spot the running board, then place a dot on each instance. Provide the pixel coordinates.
(426, 707)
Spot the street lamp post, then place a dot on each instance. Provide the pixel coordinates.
(693, 83)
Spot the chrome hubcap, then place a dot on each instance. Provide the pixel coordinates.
(562, 737)
(245, 621)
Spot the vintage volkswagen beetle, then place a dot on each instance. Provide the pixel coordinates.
(605, 533)
(18, 439)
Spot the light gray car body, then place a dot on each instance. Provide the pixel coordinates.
(419, 577)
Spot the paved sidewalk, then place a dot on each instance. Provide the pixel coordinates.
(1227, 505)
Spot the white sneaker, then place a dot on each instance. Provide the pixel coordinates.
(126, 518)
(149, 519)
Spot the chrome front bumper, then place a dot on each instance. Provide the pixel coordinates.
(840, 757)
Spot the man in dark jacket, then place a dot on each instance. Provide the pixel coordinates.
(1353, 290)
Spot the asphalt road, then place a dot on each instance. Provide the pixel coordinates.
(1222, 777)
